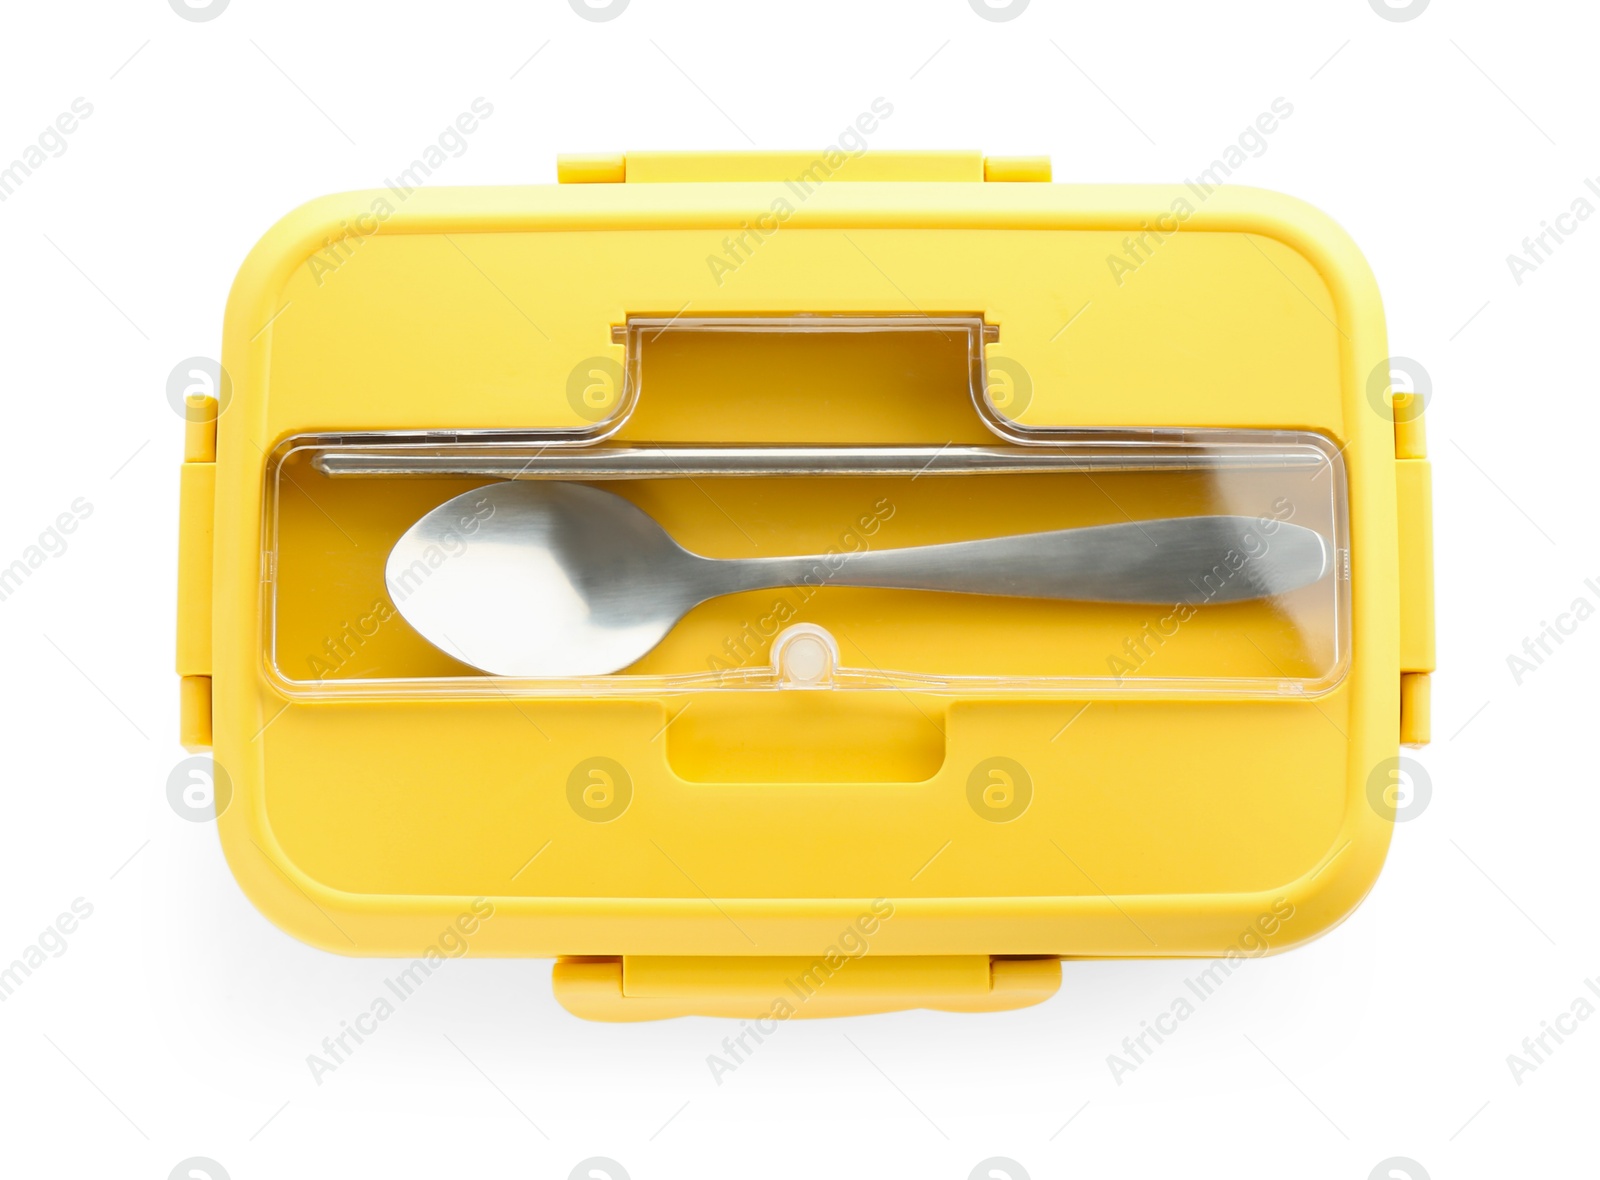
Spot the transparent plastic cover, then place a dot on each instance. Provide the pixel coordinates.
(801, 503)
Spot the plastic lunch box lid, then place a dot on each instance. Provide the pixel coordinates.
(303, 353)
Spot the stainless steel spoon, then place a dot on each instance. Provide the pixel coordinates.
(558, 579)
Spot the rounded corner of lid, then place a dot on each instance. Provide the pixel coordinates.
(288, 243)
(1312, 233)
(1327, 895)
(307, 913)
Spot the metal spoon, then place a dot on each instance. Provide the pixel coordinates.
(558, 579)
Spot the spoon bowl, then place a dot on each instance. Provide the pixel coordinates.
(541, 579)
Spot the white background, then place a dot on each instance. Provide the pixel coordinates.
(178, 1021)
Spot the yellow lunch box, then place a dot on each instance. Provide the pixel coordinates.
(823, 796)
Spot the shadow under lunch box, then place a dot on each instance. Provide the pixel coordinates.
(823, 795)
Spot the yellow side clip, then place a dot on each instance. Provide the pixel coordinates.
(197, 497)
(805, 167)
(1414, 499)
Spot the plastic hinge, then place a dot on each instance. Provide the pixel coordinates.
(629, 988)
(805, 169)
(1410, 432)
(1416, 708)
(591, 169)
(197, 496)
(194, 713)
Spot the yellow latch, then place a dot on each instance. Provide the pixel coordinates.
(1414, 495)
(806, 167)
(1012, 169)
(630, 988)
(1414, 498)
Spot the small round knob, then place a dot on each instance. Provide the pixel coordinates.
(804, 656)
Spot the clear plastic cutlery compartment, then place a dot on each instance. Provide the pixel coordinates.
(337, 505)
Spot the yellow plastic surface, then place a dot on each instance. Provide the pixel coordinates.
(1161, 825)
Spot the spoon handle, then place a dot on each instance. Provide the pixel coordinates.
(1195, 559)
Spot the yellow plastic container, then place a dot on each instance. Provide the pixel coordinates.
(820, 800)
